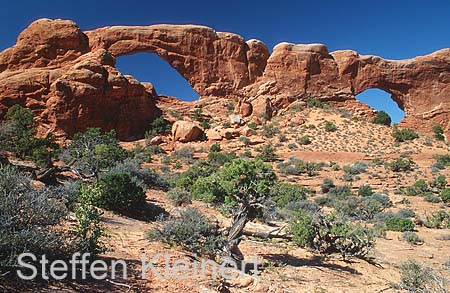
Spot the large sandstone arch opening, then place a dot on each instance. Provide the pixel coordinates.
(149, 67)
(381, 100)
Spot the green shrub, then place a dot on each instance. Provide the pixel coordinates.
(382, 118)
(94, 151)
(295, 166)
(399, 224)
(17, 135)
(330, 127)
(267, 153)
(215, 148)
(406, 213)
(432, 198)
(365, 190)
(438, 132)
(90, 230)
(401, 164)
(372, 205)
(179, 197)
(304, 140)
(285, 193)
(302, 205)
(327, 184)
(438, 220)
(116, 192)
(192, 231)
(207, 189)
(411, 238)
(270, 130)
(245, 140)
(154, 150)
(420, 188)
(143, 177)
(443, 160)
(159, 126)
(185, 154)
(314, 103)
(31, 218)
(217, 159)
(330, 234)
(341, 192)
(402, 135)
(199, 170)
(439, 182)
(445, 195)
(252, 125)
(356, 168)
(418, 278)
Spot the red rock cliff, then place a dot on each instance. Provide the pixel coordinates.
(69, 79)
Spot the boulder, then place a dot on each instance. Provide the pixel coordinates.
(186, 131)
(236, 119)
(214, 134)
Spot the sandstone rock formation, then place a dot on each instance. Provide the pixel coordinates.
(186, 131)
(68, 77)
(52, 71)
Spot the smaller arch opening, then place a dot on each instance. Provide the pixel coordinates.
(149, 67)
(381, 100)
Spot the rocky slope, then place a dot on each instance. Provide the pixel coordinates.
(68, 77)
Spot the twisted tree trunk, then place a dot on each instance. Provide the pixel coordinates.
(235, 234)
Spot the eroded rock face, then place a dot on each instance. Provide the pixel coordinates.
(52, 71)
(70, 81)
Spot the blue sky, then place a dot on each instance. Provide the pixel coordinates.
(391, 29)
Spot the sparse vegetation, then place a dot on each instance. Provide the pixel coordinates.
(402, 135)
(330, 127)
(192, 231)
(399, 224)
(17, 135)
(304, 140)
(179, 197)
(267, 153)
(438, 132)
(314, 103)
(401, 164)
(382, 118)
(328, 234)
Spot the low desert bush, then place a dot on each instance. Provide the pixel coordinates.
(438, 132)
(295, 166)
(401, 164)
(445, 195)
(285, 193)
(304, 140)
(330, 127)
(192, 231)
(402, 135)
(326, 185)
(117, 192)
(382, 118)
(399, 224)
(179, 197)
(28, 217)
(314, 103)
(328, 234)
(438, 220)
(267, 153)
(416, 277)
(411, 238)
(269, 130)
(443, 160)
(365, 190)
